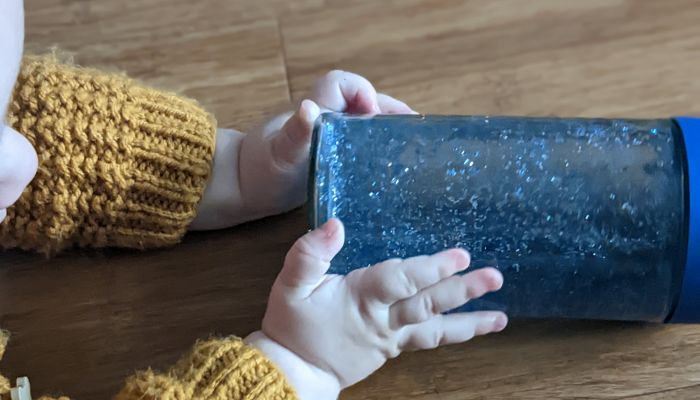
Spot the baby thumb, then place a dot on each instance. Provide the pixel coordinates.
(291, 146)
(310, 257)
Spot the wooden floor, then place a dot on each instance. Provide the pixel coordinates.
(84, 321)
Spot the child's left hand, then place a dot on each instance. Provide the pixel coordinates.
(327, 332)
(268, 174)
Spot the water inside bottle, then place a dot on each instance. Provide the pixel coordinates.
(582, 216)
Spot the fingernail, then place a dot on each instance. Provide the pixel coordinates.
(310, 110)
(329, 228)
(465, 259)
(500, 323)
(304, 109)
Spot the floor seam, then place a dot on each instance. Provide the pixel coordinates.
(283, 51)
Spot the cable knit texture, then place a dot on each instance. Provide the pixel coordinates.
(216, 369)
(119, 164)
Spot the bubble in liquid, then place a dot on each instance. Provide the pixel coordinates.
(474, 201)
(518, 193)
(626, 206)
(527, 214)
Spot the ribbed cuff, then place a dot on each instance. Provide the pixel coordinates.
(171, 150)
(215, 369)
(119, 164)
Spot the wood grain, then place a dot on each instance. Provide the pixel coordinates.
(85, 320)
(175, 46)
(546, 57)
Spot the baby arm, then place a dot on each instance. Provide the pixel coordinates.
(148, 165)
(120, 164)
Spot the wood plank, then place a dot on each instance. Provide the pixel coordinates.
(205, 50)
(84, 321)
(592, 58)
(686, 393)
(80, 12)
(548, 360)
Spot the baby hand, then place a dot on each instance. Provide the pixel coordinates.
(265, 172)
(274, 164)
(327, 332)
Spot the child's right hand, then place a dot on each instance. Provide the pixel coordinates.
(18, 161)
(327, 332)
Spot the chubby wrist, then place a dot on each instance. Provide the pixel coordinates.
(247, 181)
(309, 381)
(221, 205)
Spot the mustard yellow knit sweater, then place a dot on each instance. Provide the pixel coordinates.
(217, 369)
(123, 165)
(119, 164)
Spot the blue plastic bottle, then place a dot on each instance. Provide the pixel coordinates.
(586, 218)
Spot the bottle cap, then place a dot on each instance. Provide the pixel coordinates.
(688, 307)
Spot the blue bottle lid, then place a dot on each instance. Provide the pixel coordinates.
(688, 307)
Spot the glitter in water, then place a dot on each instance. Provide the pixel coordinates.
(539, 198)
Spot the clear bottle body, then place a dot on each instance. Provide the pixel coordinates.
(584, 217)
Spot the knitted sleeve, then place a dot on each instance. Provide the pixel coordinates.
(216, 369)
(119, 164)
